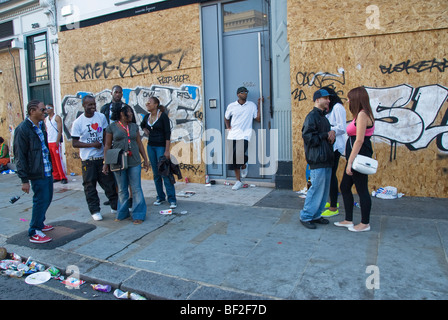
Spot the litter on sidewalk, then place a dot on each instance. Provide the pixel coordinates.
(387, 193)
(185, 194)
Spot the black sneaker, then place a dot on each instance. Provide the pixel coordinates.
(321, 220)
(308, 224)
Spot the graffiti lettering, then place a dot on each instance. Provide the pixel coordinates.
(189, 167)
(128, 67)
(318, 80)
(421, 66)
(414, 127)
(183, 106)
(177, 79)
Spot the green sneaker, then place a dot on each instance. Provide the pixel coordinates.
(327, 205)
(328, 213)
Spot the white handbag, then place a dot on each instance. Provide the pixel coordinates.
(364, 164)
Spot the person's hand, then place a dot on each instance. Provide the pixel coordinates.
(167, 154)
(348, 170)
(105, 169)
(331, 136)
(26, 187)
(146, 165)
(97, 144)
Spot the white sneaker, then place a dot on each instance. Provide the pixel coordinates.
(113, 211)
(97, 216)
(158, 202)
(244, 172)
(173, 205)
(237, 185)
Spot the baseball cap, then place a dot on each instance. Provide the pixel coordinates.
(241, 89)
(320, 93)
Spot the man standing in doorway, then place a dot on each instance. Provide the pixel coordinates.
(88, 133)
(318, 139)
(33, 163)
(238, 118)
(53, 123)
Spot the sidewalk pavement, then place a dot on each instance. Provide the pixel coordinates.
(240, 245)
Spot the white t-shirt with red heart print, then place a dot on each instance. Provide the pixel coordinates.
(90, 130)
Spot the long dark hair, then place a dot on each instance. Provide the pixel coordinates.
(334, 98)
(359, 100)
(157, 101)
(117, 109)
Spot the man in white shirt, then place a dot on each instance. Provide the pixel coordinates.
(238, 118)
(88, 133)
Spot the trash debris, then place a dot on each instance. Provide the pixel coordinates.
(53, 271)
(73, 282)
(101, 287)
(387, 193)
(168, 211)
(14, 273)
(127, 295)
(38, 278)
(15, 199)
(185, 194)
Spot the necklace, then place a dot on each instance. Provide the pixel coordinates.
(129, 137)
(152, 121)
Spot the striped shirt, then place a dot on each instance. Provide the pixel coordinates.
(45, 151)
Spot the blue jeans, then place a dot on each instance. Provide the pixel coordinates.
(42, 197)
(125, 178)
(317, 195)
(154, 154)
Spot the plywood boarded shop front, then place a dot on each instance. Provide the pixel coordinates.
(158, 52)
(10, 95)
(332, 44)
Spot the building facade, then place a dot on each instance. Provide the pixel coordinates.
(194, 54)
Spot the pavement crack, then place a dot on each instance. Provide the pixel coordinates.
(149, 238)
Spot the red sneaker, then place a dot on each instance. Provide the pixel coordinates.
(39, 237)
(47, 228)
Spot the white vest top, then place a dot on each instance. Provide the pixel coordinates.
(52, 129)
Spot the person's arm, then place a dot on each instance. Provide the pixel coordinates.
(340, 121)
(59, 128)
(167, 133)
(107, 145)
(4, 150)
(21, 157)
(361, 126)
(227, 117)
(141, 149)
(78, 144)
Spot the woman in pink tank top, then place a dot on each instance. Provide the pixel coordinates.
(359, 131)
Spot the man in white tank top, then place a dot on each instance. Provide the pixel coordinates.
(53, 124)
